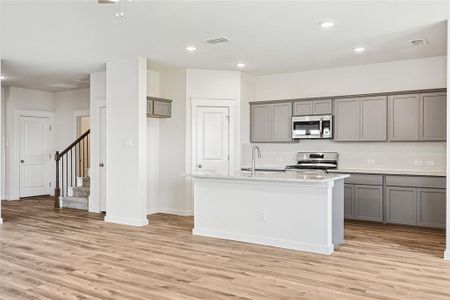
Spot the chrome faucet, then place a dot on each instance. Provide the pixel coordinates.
(254, 150)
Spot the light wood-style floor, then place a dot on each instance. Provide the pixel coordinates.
(47, 253)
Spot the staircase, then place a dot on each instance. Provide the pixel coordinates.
(72, 184)
(78, 196)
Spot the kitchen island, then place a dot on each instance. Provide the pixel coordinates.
(282, 209)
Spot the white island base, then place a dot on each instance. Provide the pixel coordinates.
(287, 210)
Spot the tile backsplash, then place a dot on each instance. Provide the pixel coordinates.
(423, 156)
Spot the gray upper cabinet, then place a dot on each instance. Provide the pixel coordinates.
(433, 107)
(159, 107)
(323, 107)
(303, 108)
(271, 122)
(347, 119)
(374, 118)
(418, 117)
(404, 117)
(282, 120)
(313, 107)
(261, 122)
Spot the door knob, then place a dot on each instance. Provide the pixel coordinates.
(199, 166)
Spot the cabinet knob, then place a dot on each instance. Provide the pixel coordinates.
(199, 166)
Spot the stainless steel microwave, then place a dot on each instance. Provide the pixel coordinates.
(312, 127)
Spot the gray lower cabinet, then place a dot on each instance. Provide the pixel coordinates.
(349, 196)
(313, 107)
(271, 122)
(416, 201)
(368, 203)
(431, 208)
(401, 205)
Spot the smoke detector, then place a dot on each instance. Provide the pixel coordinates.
(218, 40)
(418, 42)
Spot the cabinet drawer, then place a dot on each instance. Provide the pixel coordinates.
(416, 181)
(366, 179)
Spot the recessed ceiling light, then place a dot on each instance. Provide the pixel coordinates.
(359, 49)
(2, 77)
(326, 24)
(240, 65)
(190, 48)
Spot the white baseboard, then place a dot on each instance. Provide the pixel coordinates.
(447, 254)
(321, 249)
(12, 197)
(126, 221)
(170, 211)
(1, 221)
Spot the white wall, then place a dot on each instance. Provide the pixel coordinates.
(19, 99)
(172, 137)
(382, 77)
(3, 144)
(425, 73)
(126, 142)
(65, 105)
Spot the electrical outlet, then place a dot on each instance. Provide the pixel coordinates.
(418, 162)
(262, 216)
(430, 163)
(370, 161)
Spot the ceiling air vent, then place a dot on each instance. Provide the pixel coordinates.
(418, 42)
(217, 40)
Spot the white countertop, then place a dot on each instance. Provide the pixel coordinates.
(276, 177)
(390, 172)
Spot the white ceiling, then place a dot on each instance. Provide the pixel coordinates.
(61, 42)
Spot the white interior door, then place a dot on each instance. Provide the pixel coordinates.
(102, 158)
(34, 135)
(212, 139)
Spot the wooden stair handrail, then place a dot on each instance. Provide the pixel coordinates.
(73, 144)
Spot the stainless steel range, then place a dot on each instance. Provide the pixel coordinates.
(315, 162)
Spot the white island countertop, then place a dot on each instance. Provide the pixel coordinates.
(275, 176)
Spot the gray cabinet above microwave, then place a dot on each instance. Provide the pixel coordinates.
(313, 107)
(159, 107)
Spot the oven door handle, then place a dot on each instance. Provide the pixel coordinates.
(320, 127)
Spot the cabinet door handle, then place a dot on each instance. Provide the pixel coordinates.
(199, 166)
(101, 165)
(22, 161)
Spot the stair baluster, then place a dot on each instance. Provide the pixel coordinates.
(80, 159)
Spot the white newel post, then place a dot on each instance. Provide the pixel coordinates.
(126, 142)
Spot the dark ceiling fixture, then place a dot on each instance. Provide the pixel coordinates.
(119, 6)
